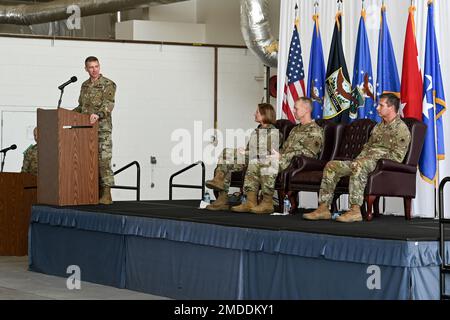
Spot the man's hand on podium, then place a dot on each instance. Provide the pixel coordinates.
(93, 119)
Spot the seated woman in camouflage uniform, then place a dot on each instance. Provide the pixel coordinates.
(262, 140)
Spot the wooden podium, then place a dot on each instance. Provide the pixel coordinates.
(68, 158)
(17, 194)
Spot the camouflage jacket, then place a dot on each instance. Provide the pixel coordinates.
(30, 160)
(304, 140)
(262, 141)
(98, 97)
(387, 141)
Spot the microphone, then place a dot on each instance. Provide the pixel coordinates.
(73, 79)
(12, 147)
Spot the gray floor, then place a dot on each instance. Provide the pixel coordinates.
(17, 283)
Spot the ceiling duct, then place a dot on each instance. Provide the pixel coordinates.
(256, 31)
(36, 13)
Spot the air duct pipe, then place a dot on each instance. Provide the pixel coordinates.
(256, 31)
(29, 14)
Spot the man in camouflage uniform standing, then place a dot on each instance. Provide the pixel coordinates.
(305, 139)
(97, 99)
(389, 140)
(30, 157)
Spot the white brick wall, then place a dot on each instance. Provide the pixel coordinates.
(160, 89)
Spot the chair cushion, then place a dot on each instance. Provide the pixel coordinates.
(355, 135)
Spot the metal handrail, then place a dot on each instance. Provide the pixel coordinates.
(188, 186)
(138, 179)
(442, 221)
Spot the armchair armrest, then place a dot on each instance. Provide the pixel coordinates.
(343, 159)
(303, 163)
(307, 164)
(389, 165)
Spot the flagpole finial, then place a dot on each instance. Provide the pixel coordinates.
(316, 5)
(363, 5)
(339, 4)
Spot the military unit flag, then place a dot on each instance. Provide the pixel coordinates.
(362, 77)
(338, 91)
(316, 72)
(387, 73)
(411, 87)
(433, 105)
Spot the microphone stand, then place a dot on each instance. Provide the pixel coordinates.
(60, 97)
(3, 161)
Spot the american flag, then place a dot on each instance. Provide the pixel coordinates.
(294, 86)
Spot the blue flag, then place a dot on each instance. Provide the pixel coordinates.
(387, 73)
(362, 82)
(316, 73)
(433, 105)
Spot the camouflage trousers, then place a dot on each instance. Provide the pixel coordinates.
(261, 173)
(230, 160)
(358, 170)
(105, 173)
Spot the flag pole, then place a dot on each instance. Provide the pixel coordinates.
(363, 10)
(316, 16)
(436, 178)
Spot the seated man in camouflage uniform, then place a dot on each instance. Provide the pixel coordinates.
(389, 140)
(305, 139)
(97, 99)
(30, 157)
(266, 135)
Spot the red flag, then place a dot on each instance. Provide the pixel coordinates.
(411, 87)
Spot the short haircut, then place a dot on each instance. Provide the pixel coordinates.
(307, 100)
(267, 112)
(90, 59)
(391, 100)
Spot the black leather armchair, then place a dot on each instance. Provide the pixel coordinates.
(332, 138)
(393, 179)
(348, 143)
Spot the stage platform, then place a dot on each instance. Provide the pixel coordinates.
(173, 249)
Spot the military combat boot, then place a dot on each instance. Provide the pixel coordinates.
(266, 205)
(221, 202)
(248, 205)
(321, 213)
(217, 182)
(352, 215)
(105, 198)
